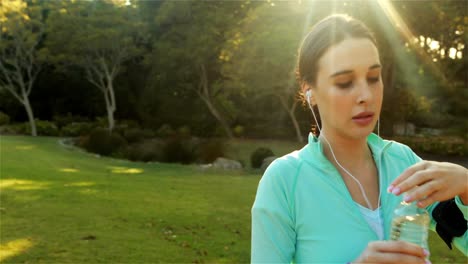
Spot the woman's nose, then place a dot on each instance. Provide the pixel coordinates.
(364, 92)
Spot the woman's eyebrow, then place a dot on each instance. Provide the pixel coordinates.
(375, 66)
(341, 72)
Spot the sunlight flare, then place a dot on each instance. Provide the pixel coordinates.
(14, 247)
(25, 147)
(68, 170)
(125, 170)
(22, 185)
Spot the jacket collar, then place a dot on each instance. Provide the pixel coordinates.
(376, 144)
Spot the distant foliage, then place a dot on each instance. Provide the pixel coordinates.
(102, 142)
(149, 150)
(64, 120)
(134, 135)
(165, 131)
(4, 119)
(441, 145)
(46, 128)
(75, 129)
(177, 149)
(259, 155)
(209, 150)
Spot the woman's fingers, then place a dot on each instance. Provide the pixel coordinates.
(406, 174)
(431, 181)
(401, 247)
(394, 258)
(393, 252)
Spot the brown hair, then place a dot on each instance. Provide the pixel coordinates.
(326, 33)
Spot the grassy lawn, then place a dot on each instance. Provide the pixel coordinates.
(61, 205)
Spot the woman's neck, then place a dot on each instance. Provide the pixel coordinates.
(348, 151)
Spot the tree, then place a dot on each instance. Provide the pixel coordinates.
(99, 37)
(261, 59)
(22, 30)
(192, 35)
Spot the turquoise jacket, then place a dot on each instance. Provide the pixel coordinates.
(304, 213)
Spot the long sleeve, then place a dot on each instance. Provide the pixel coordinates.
(273, 235)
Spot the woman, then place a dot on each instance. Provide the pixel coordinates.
(332, 201)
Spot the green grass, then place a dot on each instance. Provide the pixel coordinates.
(65, 206)
(61, 205)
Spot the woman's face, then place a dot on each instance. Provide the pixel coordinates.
(349, 88)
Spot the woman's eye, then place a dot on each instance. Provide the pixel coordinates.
(344, 85)
(373, 80)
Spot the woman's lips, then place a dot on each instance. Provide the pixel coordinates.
(363, 119)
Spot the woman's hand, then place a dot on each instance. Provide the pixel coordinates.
(392, 252)
(431, 181)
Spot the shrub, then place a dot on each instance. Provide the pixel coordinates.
(184, 131)
(150, 150)
(440, 145)
(259, 155)
(209, 150)
(4, 119)
(165, 131)
(75, 129)
(133, 135)
(17, 129)
(178, 150)
(46, 128)
(43, 128)
(238, 131)
(63, 120)
(102, 142)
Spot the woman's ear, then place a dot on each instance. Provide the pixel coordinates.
(308, 94)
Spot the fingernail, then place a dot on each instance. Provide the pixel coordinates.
(390, 188)
(426, 253)
(428, 262)
(420, 204)
(396, 191)
(407, 198)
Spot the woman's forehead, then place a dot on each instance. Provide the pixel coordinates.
(352, 54)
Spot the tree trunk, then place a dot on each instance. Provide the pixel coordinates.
(218, 117)
(110, 110)
(29, 110)
(292, 115)
(203, 92)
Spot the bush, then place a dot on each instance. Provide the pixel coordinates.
(46, 128)
(150, 150)
(102, 142)
(43, 128)
(440, 145)
(178, 150)
(64, 120)
(209, 150)
(259, 155)
(4, 119)
(238, 131)
(165, 131)
(134, 135)
(16, 129)
(76, 129)
(184, 131)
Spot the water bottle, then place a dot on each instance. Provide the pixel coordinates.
(410, 223)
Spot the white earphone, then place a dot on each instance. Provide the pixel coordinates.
(308, 98)
(308, 95)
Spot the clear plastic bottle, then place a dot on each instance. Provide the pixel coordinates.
(410, 223)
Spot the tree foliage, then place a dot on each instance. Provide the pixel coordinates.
(101, 37)
(22, 30)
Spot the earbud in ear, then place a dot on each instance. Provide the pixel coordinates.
(308, 95)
